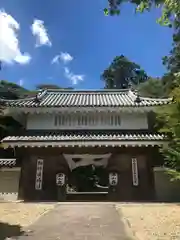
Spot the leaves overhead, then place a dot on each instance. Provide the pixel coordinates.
(172, 61)
(170, 9)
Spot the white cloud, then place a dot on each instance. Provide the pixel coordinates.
(39, 31)
(23, 59)
(55, 59)
(64, 57)
(74, 78)
(9, 43)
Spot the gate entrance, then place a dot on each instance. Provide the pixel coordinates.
(88, 178)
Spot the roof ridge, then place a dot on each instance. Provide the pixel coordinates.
(87, 90)
(86, 98)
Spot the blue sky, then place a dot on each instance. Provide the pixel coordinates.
(80, 29)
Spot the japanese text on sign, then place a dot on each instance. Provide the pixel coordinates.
(135, 177)
(39, 174)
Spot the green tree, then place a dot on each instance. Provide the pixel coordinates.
(122, 72)
(169, 118)
(172, 62)
(9, 90)
(153, 87)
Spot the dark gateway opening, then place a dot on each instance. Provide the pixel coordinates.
(88, 183)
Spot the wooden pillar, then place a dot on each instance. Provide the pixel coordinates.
(121, 163)
(27, 179)
(53, 162)
(144, 191)
(126, 190)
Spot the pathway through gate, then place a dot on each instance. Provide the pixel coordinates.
(79, 221)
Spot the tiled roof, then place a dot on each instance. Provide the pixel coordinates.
(7, 162)
(86, 137)
(73, 98)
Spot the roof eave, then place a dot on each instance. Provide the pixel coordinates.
(54, 109)
(62, 144)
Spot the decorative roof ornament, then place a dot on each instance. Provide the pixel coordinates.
(130, 85)
(138, 98)
(40, 95)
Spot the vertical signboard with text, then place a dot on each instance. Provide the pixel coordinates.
(39, 174)
(135, 178)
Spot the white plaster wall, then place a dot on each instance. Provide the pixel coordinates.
(9, 184)
(40, 121)
(134, 121)
(128, 121)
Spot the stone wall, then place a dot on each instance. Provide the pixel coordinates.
(166, 190)
(9, 184)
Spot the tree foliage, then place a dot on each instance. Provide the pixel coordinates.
(122, 72)
(9, 90)
(170, 9)
(172, 61)
(169, 117)
(153, 87)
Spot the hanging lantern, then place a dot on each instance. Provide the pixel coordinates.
(60, 179)
(113, 179)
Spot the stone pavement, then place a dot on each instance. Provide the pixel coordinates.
(75, 221)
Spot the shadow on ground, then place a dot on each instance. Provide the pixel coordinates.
(10, 231)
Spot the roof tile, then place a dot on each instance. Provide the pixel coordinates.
(87, 137)
(101, 98)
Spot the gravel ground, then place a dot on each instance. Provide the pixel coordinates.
(22, 214)
(153, 221)
(147, 221)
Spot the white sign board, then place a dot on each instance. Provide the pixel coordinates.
(135, 177)
(39, 174)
